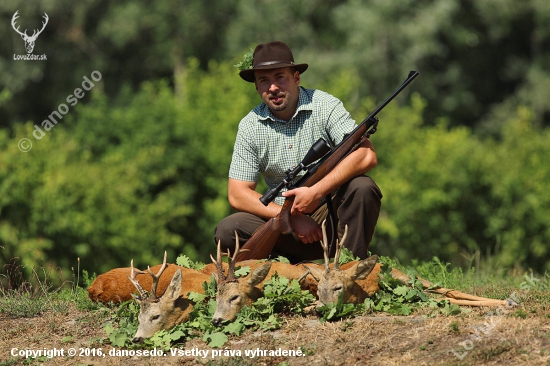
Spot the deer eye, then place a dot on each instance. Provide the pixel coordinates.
(234, 298)
(337, 289)
(155, 317)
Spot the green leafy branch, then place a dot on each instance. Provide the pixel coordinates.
(246, 62)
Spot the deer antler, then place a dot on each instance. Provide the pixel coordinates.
(156, 278)
(15, 16)
(132, 278)
(218, 263)
(339, 245)
(324, 244)
(232, 261)
(35, 35)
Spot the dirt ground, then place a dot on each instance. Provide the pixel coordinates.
(520, 336)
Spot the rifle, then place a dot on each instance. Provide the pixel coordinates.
(261, 243)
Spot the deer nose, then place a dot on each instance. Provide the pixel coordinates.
(138, 340)
(217, 321)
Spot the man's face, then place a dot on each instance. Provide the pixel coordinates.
(279, 90)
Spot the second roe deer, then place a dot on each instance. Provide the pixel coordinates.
(234, 293)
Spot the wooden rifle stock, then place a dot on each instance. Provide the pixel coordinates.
(261, 243)
(263, 240)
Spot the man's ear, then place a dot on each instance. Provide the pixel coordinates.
(297, 77)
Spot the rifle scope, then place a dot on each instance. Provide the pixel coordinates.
(317, 151)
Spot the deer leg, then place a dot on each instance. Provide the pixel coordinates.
(454, 297)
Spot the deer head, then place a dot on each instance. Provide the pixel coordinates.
(233, 293)
(164, 312)
(29, 40)
(333, 281)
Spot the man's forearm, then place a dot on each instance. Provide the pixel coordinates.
(249, 201)
(357, 163)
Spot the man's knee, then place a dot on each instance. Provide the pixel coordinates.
(364, 189)
(242, 223)
(224, 231)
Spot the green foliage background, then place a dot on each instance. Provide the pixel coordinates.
(140, 164)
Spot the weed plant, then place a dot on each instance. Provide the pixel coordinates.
(44, 290)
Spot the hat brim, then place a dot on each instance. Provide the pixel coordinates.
(248, 74)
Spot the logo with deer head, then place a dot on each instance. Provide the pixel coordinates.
(29, 40)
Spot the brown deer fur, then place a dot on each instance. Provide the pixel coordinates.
(358, 280)
(173, 307)
(115, 287)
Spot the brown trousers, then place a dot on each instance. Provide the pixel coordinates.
(356, 204)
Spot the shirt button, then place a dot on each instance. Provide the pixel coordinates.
(290, 146)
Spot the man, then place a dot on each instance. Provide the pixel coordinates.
(274, 137)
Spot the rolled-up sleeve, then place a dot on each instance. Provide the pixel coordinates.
(244, 163)
(339, 121)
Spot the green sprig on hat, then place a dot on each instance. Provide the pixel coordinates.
(246, 63)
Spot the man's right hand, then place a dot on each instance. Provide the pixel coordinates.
(307, 229)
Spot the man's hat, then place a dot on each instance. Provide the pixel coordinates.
(272, 55)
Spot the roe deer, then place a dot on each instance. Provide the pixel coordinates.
(355, 281)
(234, 293)
(171, 308)
(115, 287)
(358, 280)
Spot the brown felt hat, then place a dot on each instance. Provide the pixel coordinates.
(272, 55)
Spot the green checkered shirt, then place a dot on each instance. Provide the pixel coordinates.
(269, 146)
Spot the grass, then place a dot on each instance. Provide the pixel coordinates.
(42, 291)
(45, 298)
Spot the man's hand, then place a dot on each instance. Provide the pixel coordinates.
(306, 228)
(305, 200)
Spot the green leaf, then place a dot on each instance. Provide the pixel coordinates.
(281, 259)
(108, 328)
(217, 339)
(450, 309)
(174, 336)
(118, 339)
(184, 261)
(405, 309)
(246, 62)
(346, 256)
(235, 328)
(401, 290)
(196, 297)
(242, 271)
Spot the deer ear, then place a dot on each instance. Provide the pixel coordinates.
(259, 274)
(316, 272)
(174, 288)
(363, 268)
